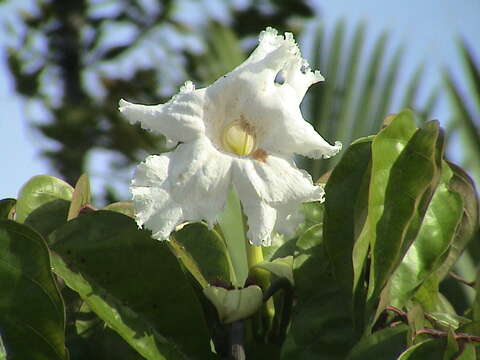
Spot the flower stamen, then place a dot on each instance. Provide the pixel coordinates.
(239, 138)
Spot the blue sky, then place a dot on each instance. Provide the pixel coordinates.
(427, 28)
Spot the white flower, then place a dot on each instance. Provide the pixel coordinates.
(244, 130)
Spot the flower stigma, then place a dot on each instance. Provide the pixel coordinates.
(239, 138)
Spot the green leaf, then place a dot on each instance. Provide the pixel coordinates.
(281, 267)
(452, 347)
(122, 207)
(321, 325)
(386, 147)
(234, 304)
(429, 249)
(462, 184)
(428, 295)
(342, 193)
(31, 308)
(431, 349)
(133, 283)
(385, 344)
(416, 321)
(43, 203)
(38, 191)
(207, 249)
(399, 203)
(81, 197)
(6, 207)
(476, 306)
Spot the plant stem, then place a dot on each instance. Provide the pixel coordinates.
(237, 352)
(254, 254)
(279, 333)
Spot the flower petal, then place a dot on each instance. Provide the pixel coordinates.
(276, 181)
(261, 221)
(188, 184)
(271, 193)
(180, 119)
(299, 137)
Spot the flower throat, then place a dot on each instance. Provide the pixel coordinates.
(239, 138)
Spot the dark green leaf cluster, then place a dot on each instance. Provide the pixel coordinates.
(368, 265)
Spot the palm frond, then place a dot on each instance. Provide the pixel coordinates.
(356, 96)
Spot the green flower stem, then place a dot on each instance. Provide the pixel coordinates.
(254, 254)
(279, 331)
(263, 321)
(237, 351)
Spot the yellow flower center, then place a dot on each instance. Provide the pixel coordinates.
(239, 138)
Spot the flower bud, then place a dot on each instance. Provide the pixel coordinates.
(236, 304)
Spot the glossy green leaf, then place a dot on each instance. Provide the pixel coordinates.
(31, 308)
(188, 261)
(476, 306)
(451, 349)
(428, 295)
(321, 325)
(386, 148)
(207, 249)
(416, 321)
(342, 193)
(407, 186)
(133, 283)
(462, 184)
(385, 344)
(234, 304)
(429, 249)
(43, 203)
(6, 206)
(436, 349)
(81, 196)
(122, 207)
(468, 353)
(431, 349)
(39, 191)
(281, 267)
(90, 338)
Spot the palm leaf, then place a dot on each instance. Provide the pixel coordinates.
(356, 96)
